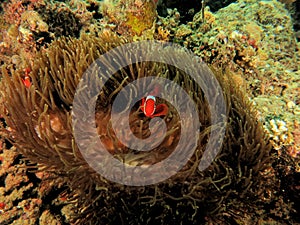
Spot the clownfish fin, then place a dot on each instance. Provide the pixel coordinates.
(161, 110)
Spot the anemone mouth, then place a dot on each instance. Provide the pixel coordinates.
(139, 125)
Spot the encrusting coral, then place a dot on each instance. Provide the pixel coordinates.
(39, 124)
(133, 18)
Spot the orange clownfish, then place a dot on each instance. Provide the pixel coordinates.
(150, 109)
(148, 105)
(26, 80)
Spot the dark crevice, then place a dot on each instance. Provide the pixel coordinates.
(2, 180)
(188, 9)
(55, 209)
(95, 9)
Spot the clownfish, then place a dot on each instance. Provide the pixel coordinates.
(26, 80)
(150, 108)
(148, 105)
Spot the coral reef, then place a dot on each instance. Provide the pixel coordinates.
(26, 195)
(235, 38)
(27, 26)
(19, 22)
(44, 136)
(43, 176)
(256, 40)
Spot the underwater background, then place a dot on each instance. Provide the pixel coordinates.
(252, 47)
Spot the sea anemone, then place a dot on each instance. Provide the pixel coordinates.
(39, 118)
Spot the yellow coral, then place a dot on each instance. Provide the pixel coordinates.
(163, 34)
(254, 31)
(133, 18)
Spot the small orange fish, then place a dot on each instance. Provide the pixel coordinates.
(26, 80)
(149, 107)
